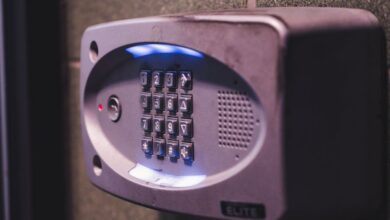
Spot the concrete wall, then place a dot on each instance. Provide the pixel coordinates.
(85, 201)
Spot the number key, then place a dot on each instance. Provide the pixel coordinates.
(145, 78)
(158, 101)
(171, 79)
(171, 102)
(158, 124)
(146, 100)
(146, 123)
(158, 79)
(172, 123)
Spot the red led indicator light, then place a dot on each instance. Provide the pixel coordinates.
(100, 107)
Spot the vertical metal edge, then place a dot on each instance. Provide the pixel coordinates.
(3, 125)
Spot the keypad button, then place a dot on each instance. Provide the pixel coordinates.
(171, 102)
(158, 79)
(186, 127)
(146, 123)
(172, 123)
(185, 103)
(147, 145)
(146, 100)
(171, 79)
(187, 151)
(158, 101)
(173, 149)
(145, 77)
(158, 124)
(186, 80)
(159, 147)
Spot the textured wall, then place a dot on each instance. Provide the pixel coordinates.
(86, 202)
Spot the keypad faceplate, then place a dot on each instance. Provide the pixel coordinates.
(167, 103)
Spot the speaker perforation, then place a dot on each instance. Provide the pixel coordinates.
(235, 119)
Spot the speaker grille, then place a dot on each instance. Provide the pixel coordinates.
(235, 120)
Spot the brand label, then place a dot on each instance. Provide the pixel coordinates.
(243, 210)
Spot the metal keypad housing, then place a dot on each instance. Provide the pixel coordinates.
(287, 113)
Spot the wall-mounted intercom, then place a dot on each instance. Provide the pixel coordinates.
(275, 113)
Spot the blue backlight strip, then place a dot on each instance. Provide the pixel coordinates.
(153, 48)
(163, 179)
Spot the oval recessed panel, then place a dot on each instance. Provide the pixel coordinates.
(214, 116)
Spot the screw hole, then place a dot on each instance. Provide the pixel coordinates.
(237, 157)
(93, 51)
(97, 165)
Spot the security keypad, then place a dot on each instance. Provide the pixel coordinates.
(167, 103)
(172, 113)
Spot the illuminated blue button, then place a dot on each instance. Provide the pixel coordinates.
(159, 147)
(187, 151)
(147, 145)
(173, 149)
